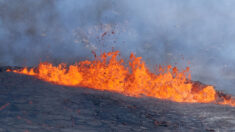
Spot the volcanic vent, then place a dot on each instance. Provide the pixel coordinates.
(30, 104)
(109, 72)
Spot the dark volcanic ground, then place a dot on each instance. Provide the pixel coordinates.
(31, 105)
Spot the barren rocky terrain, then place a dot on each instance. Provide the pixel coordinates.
(28, 104)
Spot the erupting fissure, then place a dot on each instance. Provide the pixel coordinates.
(109, 72)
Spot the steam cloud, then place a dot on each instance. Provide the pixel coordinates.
(200, 32)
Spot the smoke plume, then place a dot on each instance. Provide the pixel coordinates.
(195, 33)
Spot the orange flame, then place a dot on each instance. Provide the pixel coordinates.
(109, 72)
(230, 102)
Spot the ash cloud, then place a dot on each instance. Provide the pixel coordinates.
(198, 32)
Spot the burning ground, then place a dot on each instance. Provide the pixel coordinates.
(109, 72)
(30, 104)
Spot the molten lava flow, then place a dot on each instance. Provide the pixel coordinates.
(230, 102)
(108, 72)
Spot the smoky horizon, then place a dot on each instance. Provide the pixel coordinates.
(195, 33)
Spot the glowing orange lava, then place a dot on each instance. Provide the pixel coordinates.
(109, 72)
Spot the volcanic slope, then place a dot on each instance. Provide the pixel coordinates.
(31, 105)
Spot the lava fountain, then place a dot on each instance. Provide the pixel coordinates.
(109, 72)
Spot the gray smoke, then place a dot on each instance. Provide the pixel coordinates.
(195, 33)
